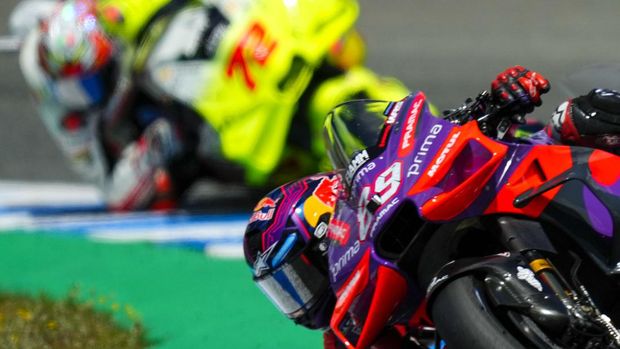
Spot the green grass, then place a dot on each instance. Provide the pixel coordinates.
(183, 299)
(40, 322)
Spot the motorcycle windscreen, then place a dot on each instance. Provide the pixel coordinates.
(352, 127)
(590, 77)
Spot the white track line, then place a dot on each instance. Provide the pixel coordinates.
(32, 206)
(9, 44)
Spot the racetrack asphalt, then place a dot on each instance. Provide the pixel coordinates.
(450, 49)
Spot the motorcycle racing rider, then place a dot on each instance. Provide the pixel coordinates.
(144, 97)
(288, 235)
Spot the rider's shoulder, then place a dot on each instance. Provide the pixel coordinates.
(126, 19)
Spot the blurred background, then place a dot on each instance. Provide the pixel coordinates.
(450, 49)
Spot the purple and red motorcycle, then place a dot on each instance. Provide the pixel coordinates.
(448, 235)
(493, 244)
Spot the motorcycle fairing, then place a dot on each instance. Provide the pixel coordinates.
(387, 292)
(385, 287)
(453, 191)
(450, 172)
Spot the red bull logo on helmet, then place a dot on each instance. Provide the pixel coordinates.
(322, 201)
(264, 210)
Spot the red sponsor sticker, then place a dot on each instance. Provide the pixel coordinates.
(254, 46)
(339, 231)
(406, 139)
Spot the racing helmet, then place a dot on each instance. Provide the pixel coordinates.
(285, 245)
(591, 120)
(75, 50)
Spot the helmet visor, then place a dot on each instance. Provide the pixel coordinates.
(294, 287)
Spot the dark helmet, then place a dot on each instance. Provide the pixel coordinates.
(285, 246)
(591, 120)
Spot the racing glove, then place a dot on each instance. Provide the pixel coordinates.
(518, 90)
(591, 120)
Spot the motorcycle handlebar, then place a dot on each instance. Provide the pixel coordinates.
(494, 121)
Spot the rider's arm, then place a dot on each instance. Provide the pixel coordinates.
(65, 114)
(125, 19)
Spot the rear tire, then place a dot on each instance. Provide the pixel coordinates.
(464, 318)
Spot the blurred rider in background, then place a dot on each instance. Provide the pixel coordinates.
(287, 239)
(146, 96)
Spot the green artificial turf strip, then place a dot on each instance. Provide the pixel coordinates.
(184, 299)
